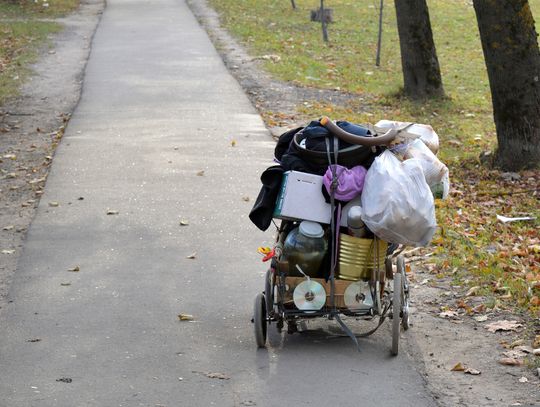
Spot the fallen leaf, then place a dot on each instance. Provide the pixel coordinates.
(448, 314)
(215, 375)
(192, 256)
(536, 342)
(75, 269)
(472, 291)
(458, 368)
(54, 204)
(472, 371)
(10, 227)
(517, 342)
(503, 325)
(479, 308)
(515, 353)
(524, 349)
(481, 318)
(510, 362)
(112, 212)
(200, 173)
(184, 222)
(185, 317)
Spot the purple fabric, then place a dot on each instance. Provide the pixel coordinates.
(350, 182)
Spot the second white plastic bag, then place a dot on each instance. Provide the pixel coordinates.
(397, 203)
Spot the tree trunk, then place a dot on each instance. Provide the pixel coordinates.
(513, 65)
(421, 72)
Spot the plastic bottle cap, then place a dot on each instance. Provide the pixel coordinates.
(311, 229)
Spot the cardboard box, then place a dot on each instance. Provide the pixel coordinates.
(301, 198)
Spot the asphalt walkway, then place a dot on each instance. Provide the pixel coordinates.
(164, 134)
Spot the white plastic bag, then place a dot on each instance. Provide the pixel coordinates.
(422, 131)
(435, 171)
(397, 204)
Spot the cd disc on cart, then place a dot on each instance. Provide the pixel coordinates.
(357, 296)
(309, 296)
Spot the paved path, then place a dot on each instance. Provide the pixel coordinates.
(158, 106)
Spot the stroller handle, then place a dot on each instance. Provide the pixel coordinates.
(384, 139)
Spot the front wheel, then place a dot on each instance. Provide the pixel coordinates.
(259, 320)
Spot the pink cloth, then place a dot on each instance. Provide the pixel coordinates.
(350, 182)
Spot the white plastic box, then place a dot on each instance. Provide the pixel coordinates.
(301, 198)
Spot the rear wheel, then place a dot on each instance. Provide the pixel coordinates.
(259, 320)
(404, 293)
(396, 309)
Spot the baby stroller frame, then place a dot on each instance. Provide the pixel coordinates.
(274, 304)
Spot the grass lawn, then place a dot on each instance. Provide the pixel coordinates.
(25, 26)
(472, 246)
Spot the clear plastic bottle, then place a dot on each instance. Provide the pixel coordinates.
(305, 246)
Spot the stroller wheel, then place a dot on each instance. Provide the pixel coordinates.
(396, 310)
(259, 320)
(269, 292)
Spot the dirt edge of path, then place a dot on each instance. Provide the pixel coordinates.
(32, 125)
(434, 343)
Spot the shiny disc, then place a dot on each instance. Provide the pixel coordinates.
(358, 296)
(309, 296)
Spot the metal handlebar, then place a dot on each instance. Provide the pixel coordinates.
(384, 139)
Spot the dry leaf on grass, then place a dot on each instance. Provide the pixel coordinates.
(503, 325)
(472, 291)
(185, 317)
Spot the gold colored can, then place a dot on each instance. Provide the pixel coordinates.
(358, 257)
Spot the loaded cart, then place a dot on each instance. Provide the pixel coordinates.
(345, 217)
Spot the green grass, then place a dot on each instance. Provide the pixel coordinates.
(23, 32)
(507, 271)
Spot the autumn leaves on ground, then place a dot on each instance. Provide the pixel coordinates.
(491, 259)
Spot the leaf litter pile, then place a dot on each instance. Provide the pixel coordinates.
(495, 260)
